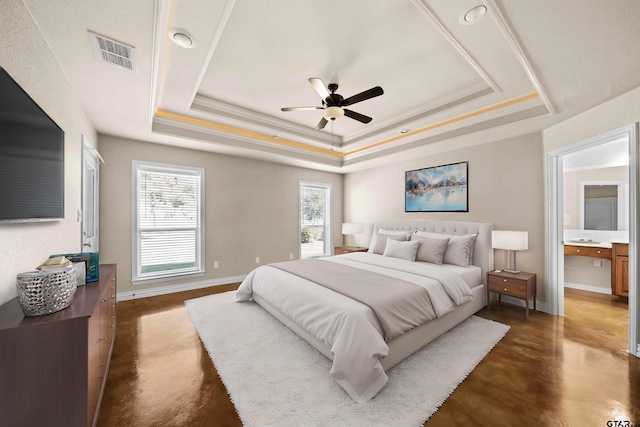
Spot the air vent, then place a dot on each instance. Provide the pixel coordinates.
(112, 51)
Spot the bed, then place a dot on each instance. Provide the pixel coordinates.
(354, 335)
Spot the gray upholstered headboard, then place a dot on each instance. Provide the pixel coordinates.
(482, 251)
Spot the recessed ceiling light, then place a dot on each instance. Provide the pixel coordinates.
(275, 136)
(182, 38)
(405, 131)
(473, 15)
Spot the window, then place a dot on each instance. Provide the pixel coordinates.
(315, 231)
(168, 218)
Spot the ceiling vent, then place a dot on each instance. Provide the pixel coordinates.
(112, 51)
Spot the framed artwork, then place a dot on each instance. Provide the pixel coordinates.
(437, 189)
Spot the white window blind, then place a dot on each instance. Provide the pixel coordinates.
(315, 231)
(168, 211)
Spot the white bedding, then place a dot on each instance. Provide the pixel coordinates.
(349, 328)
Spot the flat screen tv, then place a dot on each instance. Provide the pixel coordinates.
(31, 158)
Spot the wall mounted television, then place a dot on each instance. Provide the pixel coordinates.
(31, 158)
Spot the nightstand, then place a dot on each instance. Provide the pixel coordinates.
(521, 285)
(339, 250)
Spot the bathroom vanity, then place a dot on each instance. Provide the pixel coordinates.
(616, 251)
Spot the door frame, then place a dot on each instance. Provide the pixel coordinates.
(90, 154)
(554, 227)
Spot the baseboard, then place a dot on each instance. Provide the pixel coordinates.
(587, 288)
(540, 305)
(163, 290)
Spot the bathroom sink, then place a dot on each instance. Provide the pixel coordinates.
(582, 240)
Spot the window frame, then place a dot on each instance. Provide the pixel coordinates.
(327, 217)
(137, 277)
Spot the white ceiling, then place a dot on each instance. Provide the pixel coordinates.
(523, 67)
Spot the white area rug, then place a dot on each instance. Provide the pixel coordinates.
(275, 378)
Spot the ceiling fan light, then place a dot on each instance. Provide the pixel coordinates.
(333, 113)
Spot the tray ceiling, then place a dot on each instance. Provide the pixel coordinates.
(520, 68)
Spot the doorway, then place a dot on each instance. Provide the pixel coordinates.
(90, 197)
(556, 220)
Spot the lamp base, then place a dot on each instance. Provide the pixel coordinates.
(511, 263)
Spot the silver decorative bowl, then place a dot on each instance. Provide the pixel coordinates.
(45, 292)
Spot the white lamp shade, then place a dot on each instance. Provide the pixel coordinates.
(510, 240)
(351, 228)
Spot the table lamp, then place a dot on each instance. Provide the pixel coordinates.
(350, 228)
(510, 241)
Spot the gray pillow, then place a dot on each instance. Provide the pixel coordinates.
(378, 240)
(402, 250)
(459, 250)
(381, 242)
(431, 249)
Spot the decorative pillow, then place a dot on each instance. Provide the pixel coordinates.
(381, 242)
(377, 247)
(402, 250)
(430, 250)
(459, 250)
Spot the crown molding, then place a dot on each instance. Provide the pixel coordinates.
(222, 23)
(518, 52)
(426, 12)
(211, 106)
(411, 116)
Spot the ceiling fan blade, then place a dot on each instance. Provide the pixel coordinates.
(301, 108)
(323, 122)
(320, 87)
(362, 96)
(357, 116)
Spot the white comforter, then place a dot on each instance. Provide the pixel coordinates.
(349, 328)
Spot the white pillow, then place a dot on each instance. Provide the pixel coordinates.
(402, 250)
(431, 249)
(459, 250)
(379, 240)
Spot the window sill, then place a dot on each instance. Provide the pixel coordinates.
(171, 278)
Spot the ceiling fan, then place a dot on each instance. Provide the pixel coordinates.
(333, 103)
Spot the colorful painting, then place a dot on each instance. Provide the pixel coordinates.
(437, 189)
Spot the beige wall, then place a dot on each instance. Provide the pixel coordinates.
(25, 55)
(615, 114)
(505, 189)
(251, 208)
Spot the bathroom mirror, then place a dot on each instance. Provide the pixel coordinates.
(603, 205)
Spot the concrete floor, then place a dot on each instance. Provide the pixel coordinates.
(547, 371)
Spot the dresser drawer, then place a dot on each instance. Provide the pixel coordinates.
(508, 286)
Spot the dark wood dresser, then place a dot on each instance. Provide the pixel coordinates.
(53, 368)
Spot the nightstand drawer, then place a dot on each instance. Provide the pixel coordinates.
(508, 286)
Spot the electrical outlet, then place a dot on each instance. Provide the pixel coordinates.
(257, 260)
(215, 264)
(290, 256)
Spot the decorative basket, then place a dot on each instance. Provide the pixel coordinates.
(45, 292)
